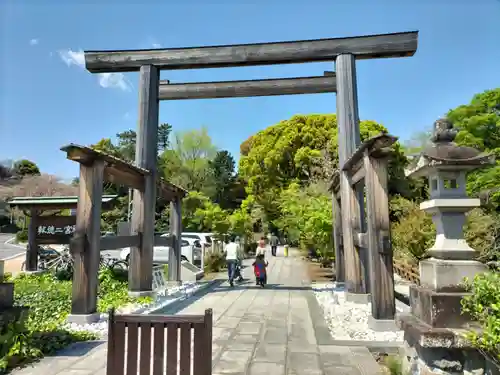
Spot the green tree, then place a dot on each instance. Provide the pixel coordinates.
(26, 168)
(479, 127)
(126, 144)
(127, 141)
(307, 216)
(187, 162)
(300, 150)
(222, 171)
(164, 131)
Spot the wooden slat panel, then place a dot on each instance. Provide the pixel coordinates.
(185, 349)
(163, 319)
(145, 356)
(132, 348)
(199, 365)
(159, 348)
(251, 88)
(172, 348)
(118, 364)
(110, 355)
(208, 341)
(291, 52)
(119, 242)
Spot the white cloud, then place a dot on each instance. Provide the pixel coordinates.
(34, 42)
(114, 80)
(73, 57)
(106, 80)
(156, 45)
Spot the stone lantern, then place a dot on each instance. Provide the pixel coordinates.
(433, 330)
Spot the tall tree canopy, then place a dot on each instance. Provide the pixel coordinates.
(186, 162)
(479, 125)
(300, 150)
(26, 168)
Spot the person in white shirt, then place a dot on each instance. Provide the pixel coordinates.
(233, 256)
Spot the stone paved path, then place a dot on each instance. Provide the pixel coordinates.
(277, 330)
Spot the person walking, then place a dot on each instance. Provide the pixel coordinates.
(274, 244)
(233, 256)
(261, 247)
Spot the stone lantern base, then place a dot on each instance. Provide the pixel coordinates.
(435, 329)
(443, 351)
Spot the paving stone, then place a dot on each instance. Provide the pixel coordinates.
(249, 328)
(303, 363)
(270, 353)
(232, 362)
(266, 368)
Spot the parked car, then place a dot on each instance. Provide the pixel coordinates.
(204, 238)
(190, 251)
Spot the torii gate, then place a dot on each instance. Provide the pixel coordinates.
(344, 51)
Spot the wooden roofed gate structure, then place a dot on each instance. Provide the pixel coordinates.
(356, 161)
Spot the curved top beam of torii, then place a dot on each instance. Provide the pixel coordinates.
(291, 52)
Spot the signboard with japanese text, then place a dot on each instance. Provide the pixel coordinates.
(52, 230)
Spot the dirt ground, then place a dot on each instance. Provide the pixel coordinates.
(318, 273)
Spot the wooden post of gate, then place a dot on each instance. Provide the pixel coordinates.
(352, 205)
(337, 239)
(143, 213)
(379, 238)
(174, 256)
(85, 245)
(31, 264)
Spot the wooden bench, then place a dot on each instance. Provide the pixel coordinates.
(171, 345)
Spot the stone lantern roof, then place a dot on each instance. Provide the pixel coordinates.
(445, 154)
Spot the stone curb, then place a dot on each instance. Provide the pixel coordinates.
(389, 347)
(177, 301)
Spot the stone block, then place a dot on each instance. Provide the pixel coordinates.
(6, 295)
(357, 297)
(382, 325)
(83, 319)
(418, 333)
(448, 275)
(438, 309)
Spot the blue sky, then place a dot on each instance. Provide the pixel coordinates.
(47, 99)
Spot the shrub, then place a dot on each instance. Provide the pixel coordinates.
(22, 236)
(49, 302)
(483, 304)
(214, 261)
(415, 232)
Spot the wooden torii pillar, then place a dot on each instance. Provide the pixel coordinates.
(345, 51)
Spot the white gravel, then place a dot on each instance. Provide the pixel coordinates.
(161, 300)
(347, 320)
